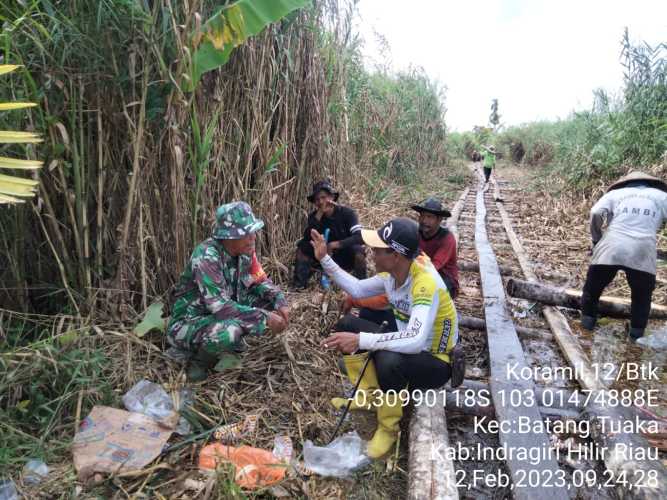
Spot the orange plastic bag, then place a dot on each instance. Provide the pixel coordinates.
(254, 467)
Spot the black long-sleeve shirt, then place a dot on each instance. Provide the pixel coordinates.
(343, 226)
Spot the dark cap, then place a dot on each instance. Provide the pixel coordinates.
(432, 206)
(401, 235)
(322, 186)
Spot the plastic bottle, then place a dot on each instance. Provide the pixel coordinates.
(324, 280)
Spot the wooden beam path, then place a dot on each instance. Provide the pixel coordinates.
(505, 350)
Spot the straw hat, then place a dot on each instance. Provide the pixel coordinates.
(432, 206)
(639, 176)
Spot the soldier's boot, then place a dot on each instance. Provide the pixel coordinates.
(200, 364)
(458, 365)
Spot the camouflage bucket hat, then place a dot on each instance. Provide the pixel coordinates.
(234, 221)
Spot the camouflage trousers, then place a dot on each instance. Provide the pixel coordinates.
(205, 332)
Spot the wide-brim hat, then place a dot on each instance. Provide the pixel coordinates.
(322, 186)
(432, 206)
(401, 235)
(234, 221)
(639, 176)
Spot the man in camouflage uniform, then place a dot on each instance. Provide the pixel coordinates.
(224, 293)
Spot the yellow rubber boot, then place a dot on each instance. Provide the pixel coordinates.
(366, 393)
(389, 417)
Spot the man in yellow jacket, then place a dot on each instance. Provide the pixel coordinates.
(417, 355)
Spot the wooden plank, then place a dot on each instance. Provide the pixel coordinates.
(505, 351)
(571, 349)
(431, 474)
(453, 221)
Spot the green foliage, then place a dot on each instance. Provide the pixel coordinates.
(462, 144)
(616, 133)
(42, 381)
(230, 27)
(396, 119)
(152, 320)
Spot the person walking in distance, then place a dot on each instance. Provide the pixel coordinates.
(489, 155)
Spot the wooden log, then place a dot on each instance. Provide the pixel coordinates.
(431, 475)
(473, 267)
(480, 324)
(505, 349)
(609, 306)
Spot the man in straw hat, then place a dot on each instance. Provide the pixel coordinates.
(489, 154)
(344, 241)
(635, 207)
(438, 242)
(223, 293)
(417, 355)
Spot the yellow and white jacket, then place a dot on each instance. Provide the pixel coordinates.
(424, 311)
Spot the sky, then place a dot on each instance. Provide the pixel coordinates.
(541, 59)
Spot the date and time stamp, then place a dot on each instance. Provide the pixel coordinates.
(575, 449)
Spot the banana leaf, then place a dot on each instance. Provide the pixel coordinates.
(8, 68)
(15, 163)
(13, 137)
(232, 26)
(13, 189)
(6, 106)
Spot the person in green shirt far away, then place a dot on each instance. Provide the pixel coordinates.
(489, 155)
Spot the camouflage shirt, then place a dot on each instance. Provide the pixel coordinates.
(229, 288)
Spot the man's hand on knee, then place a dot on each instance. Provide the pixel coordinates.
(276, 322)
(284, 312)
(345, 342)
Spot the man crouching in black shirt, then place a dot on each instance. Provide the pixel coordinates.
(344, 241)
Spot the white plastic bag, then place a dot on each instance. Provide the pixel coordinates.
(343, 456)
(151, 399)
(35, 471)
